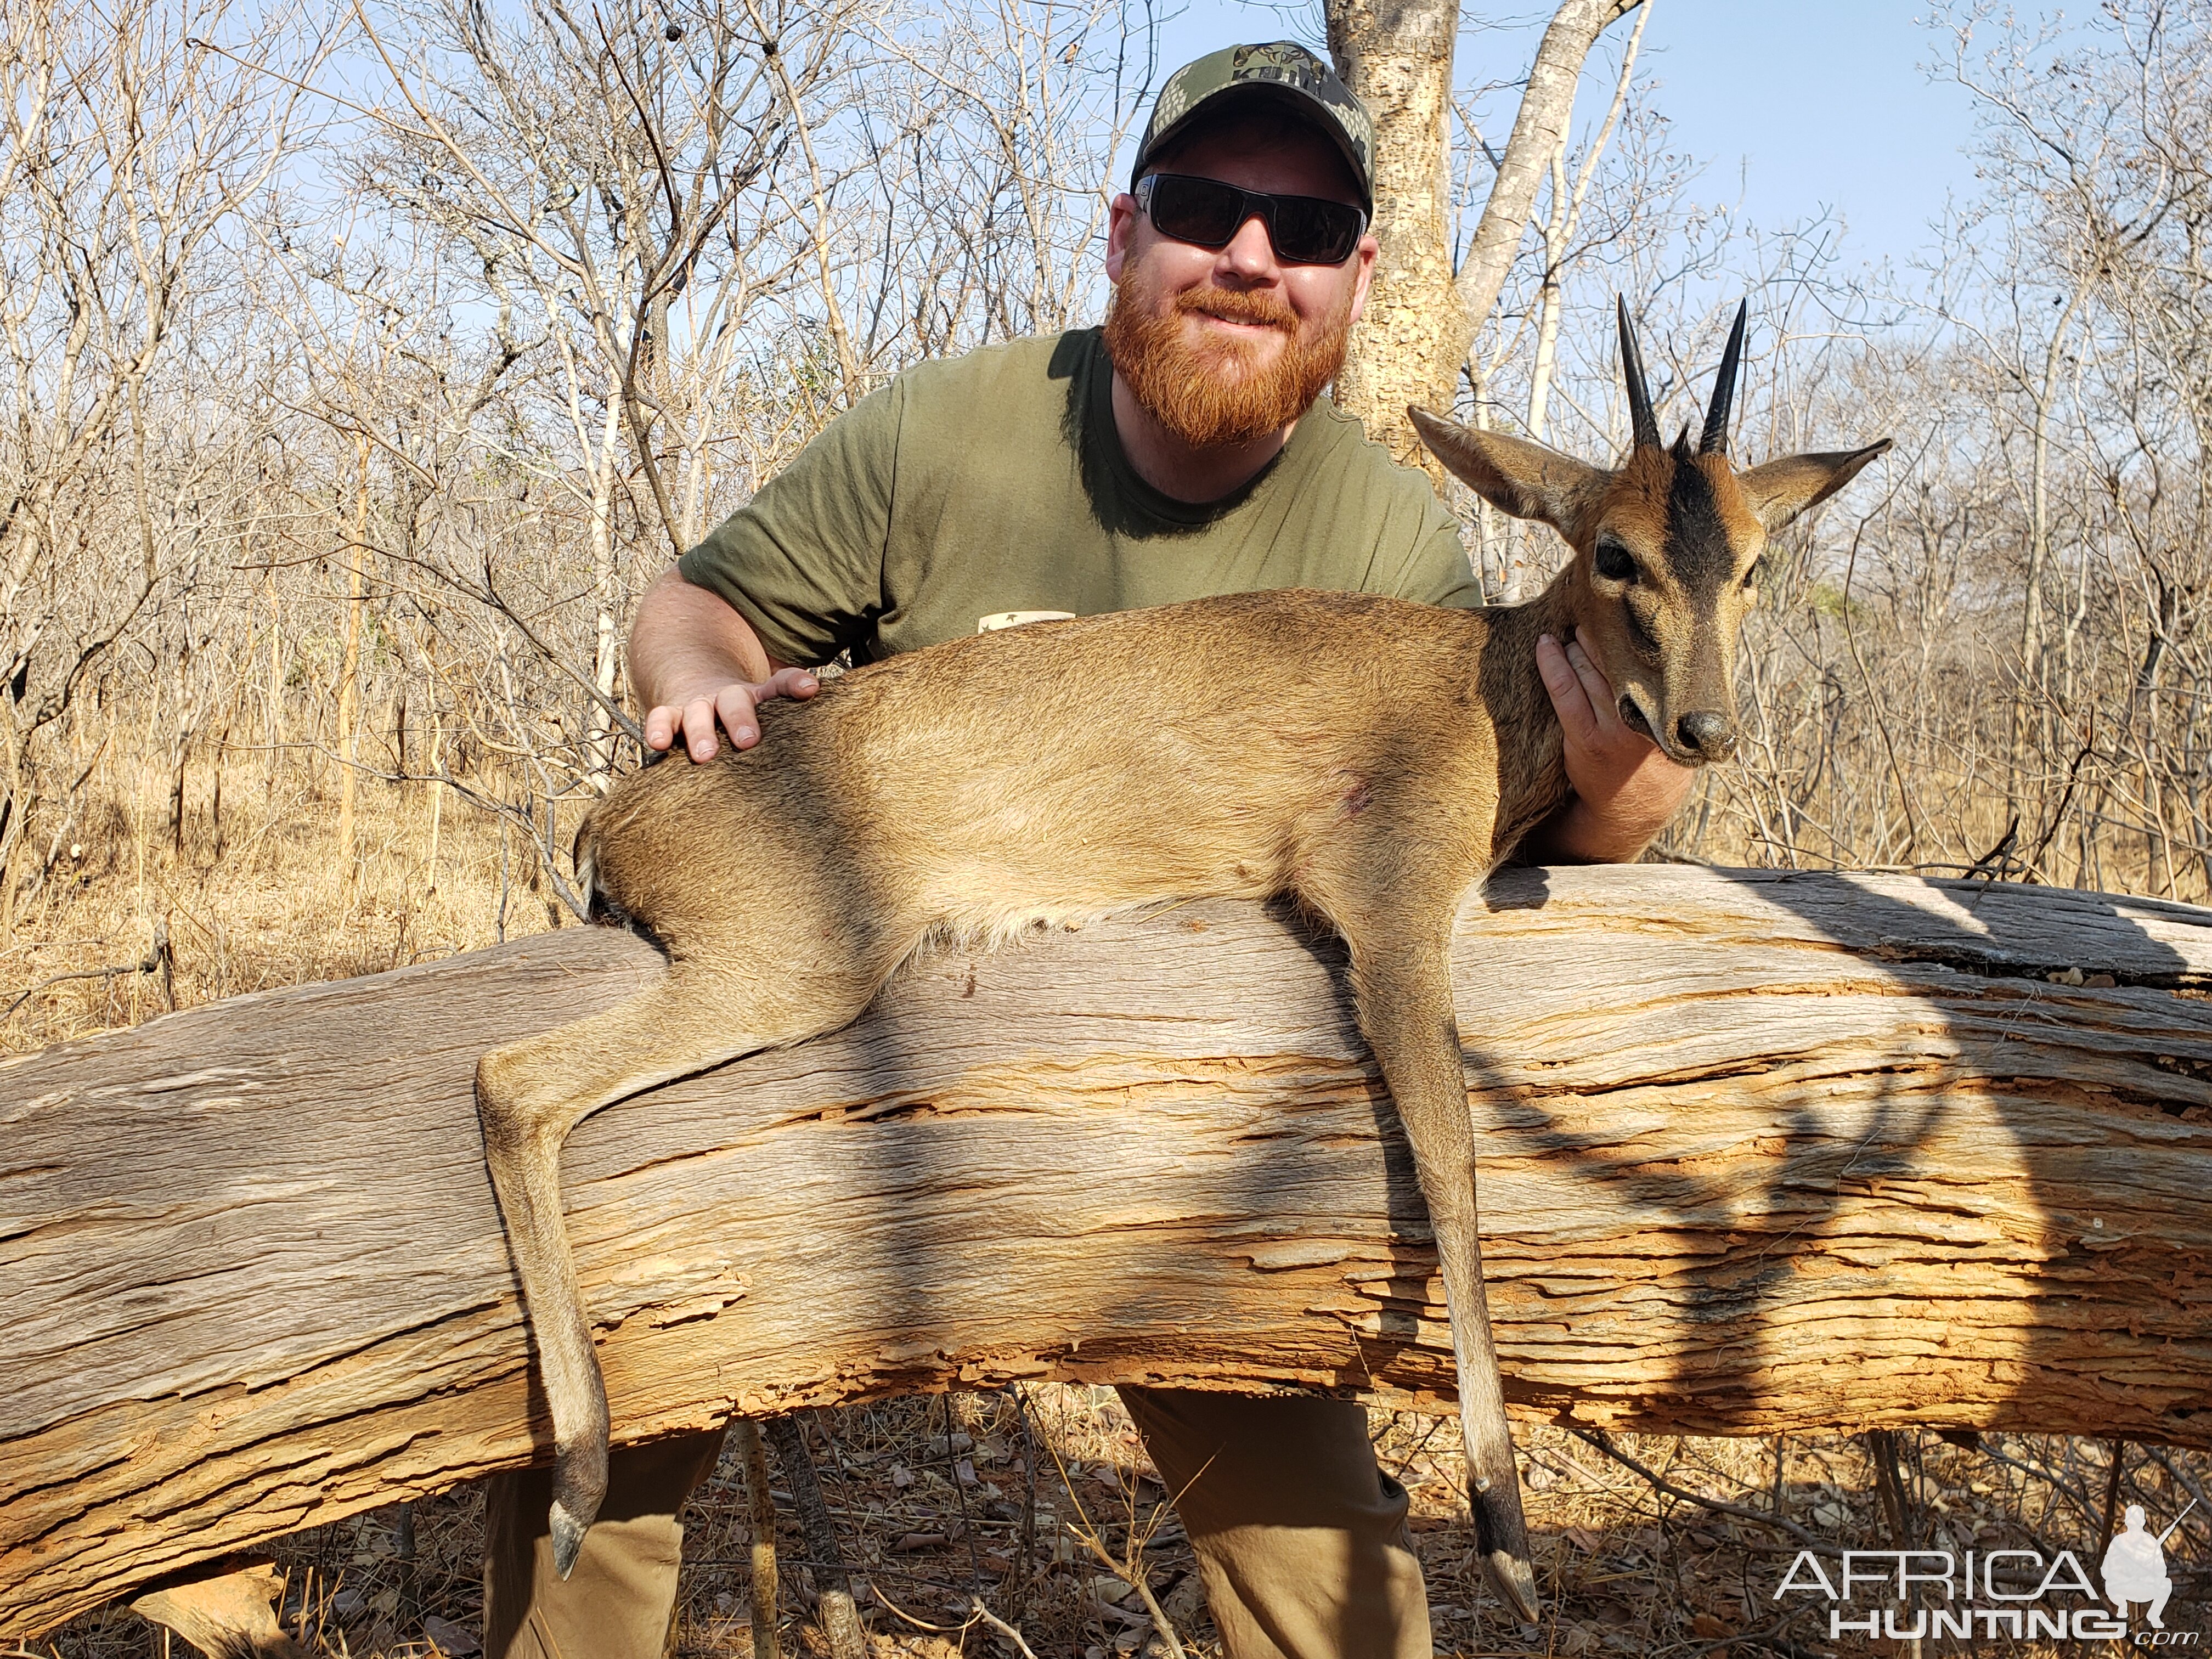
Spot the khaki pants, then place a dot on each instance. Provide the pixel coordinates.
(1301, 1539)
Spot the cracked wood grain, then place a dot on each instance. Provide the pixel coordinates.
(1763, 1151)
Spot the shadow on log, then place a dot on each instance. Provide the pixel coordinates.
(1764, 1151)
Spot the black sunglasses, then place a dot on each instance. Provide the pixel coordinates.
(1304, 230)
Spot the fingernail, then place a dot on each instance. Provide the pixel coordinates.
(743, 734)
(1546, 639)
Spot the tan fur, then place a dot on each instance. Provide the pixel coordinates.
(1369, 758)
(1693, 626)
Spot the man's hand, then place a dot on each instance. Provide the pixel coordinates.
(734, 705)
(1626, 789)
(699, 666)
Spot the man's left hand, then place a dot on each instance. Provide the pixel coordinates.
(1626, 789)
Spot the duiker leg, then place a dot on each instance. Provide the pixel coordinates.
(530, 1095)
(1401, 985)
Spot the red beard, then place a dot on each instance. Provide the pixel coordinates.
(1221, 391)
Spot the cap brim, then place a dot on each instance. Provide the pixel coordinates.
(1260, 94)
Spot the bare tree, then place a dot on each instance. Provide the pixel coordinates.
(1423, 315)
(127, 146)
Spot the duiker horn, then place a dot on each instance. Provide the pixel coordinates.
(1715, 440)
(1639, 390)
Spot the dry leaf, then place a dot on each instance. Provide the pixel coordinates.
(450, 1637)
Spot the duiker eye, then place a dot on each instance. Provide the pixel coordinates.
(1613, 560)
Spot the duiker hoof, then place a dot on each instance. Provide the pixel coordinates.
(567, 1538)
(1502, 1536)
(1514, 1583)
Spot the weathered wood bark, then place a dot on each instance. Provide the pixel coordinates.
(1764, 1151)
(1421, 318)
(1397, 56)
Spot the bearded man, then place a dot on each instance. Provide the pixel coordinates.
(1185, 449)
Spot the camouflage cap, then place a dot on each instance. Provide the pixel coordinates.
(1282, 73)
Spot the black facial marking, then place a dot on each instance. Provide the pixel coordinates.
(1698, 551)
(1645, 640)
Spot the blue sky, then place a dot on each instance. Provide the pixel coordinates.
(1793, 105)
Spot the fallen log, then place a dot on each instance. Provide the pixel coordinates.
(1764, 1151)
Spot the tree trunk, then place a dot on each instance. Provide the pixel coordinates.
(605, 594)
(1421, 320)
(349, 679)
(1397, 56)
(1547, 105)
(1764, 1153)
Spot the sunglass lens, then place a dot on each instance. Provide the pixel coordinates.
(1199, 210)
(1313, 232)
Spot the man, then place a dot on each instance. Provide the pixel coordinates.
(1185, 449)
(2135, 1570)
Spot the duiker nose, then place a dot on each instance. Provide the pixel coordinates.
(1707, 732)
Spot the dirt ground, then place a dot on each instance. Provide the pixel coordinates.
(1651, 1546)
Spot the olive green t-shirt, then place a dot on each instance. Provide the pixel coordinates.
(995, 482)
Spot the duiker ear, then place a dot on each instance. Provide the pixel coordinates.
(1514, 475)
(1779, 490)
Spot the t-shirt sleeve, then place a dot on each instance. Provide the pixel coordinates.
(1435, 569)
(803, 560)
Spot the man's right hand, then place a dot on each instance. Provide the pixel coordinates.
(732, 706)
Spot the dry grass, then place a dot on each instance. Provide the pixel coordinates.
(930, 1494)
(258, 899)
